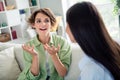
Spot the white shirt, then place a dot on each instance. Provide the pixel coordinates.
(47, 63)
(92, 70)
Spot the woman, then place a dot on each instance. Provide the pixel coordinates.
(47, 56)
(101, 60)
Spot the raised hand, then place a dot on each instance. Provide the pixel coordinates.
(52, 50)
(29, 49)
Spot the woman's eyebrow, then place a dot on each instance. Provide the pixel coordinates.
(37, 18)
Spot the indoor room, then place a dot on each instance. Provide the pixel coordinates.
(48, 28)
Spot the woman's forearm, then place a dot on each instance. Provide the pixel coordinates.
(61, 69)
(35, 65)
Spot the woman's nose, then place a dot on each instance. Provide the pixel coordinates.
(43, 23)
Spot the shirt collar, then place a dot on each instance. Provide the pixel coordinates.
(37, 42)
(51, 39)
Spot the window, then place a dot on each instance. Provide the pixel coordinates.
(105, 7)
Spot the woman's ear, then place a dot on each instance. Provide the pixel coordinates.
(33, 26)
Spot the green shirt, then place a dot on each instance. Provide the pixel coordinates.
(64, 55)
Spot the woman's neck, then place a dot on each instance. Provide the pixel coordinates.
(44, 39)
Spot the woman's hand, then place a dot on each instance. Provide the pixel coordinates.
(35, 60)
(52, 50)
(30, 49)
(61, 69)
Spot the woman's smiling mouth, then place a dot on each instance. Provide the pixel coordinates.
(43, 29)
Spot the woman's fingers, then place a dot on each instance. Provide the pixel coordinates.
(52, 49)
(58, 48)
(29, 49)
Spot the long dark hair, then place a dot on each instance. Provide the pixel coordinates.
(89, 31)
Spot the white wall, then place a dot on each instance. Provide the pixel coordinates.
(55, 5)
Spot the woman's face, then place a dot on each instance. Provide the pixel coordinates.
(42, 24)
(70, 33)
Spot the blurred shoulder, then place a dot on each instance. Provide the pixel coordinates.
(58, 38)
(34, 40)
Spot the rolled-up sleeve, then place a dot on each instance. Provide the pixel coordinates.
(26, 73)
(65, 53)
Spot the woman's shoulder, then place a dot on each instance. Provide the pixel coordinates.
(58, 38)
(93, 69)
(61, 41)
(32, 40)
(86, 63)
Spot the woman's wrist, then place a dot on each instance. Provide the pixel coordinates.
(54, 56)
(35, 56)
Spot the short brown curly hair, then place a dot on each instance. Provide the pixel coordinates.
(45, 11)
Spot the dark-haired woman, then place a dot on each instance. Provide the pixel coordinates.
(101, 60)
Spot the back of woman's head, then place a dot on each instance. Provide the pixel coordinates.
(89, 31)
(86, 26)
(84, 18)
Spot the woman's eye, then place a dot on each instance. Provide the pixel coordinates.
(38, 21)
(47, 20)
